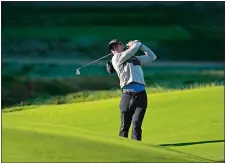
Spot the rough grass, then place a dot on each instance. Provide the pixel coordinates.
(83, 96)
(179, 126)
(86, 88)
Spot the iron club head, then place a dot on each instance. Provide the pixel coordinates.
(78, 71)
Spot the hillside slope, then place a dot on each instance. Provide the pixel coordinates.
(179, 126)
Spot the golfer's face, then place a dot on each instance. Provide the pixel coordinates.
(118, 48)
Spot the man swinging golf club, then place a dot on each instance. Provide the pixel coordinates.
(133, 102)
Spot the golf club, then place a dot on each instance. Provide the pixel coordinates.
(78, 70)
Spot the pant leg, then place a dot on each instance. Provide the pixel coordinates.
(138, 116)
(125, 123)
(126, 112)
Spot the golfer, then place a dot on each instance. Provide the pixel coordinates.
(133, 102)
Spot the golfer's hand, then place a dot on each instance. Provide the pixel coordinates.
(130, 43)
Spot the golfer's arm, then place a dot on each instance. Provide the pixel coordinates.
(148, 57)
(127, 54)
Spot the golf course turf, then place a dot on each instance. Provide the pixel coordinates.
(179, 126)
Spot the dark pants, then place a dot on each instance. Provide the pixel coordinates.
(132, 107)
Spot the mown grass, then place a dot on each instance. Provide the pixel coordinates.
(87, 131)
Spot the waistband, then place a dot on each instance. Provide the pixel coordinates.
(133, 93)
(134, 87)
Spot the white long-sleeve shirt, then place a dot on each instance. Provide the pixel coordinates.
(128, 66)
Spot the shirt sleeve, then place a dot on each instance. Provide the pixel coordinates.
(149, 57)
(127, 54)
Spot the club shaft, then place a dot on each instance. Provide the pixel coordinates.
(95, 61)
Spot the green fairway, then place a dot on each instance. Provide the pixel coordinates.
(181, 126)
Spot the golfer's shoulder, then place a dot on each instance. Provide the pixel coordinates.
(116, 57)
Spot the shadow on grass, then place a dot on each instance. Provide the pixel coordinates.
(9, 110)
(191, 143)
(202, 159)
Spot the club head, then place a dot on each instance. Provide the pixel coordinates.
(78, 71)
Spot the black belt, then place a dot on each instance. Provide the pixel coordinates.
(133, 93)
